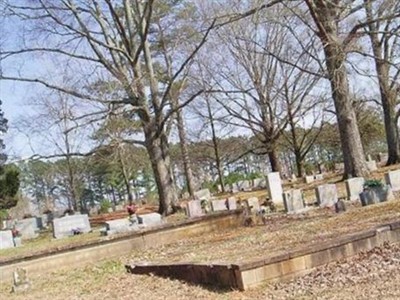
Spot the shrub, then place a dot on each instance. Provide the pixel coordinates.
(373, 183)
(104, 206)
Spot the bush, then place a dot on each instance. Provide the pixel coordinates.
(373, 183)
(104, 206)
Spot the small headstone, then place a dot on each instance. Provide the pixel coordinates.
(234, 188)
(293, 178)
(275, 190)
(354, 186)
(371, 165)
(326, 195)
(232, 203)
(376, 195)
(218, 205)
(70, 225)
(254, 204)
(120, 226)
(203, 194)
(6, 239)
(194, 209)
(392, 178)
(309, 178)
(293, 200)
(383, 157)
(244, 185)
(257, 182)
(340, 206)
(27, 228)
(219, 188)
(21, 282)
(319, 177)
(148, 220)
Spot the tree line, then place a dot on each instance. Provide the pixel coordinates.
(136, 73)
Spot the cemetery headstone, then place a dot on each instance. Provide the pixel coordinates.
(308, 178)
(194, 209)
(218, 205)
(392, 178)
(319, 177)
(371, 165)
(254, 204)
(232, 203)
(339, 167)
(293, 200)
(27, 228)
(326, 195)
(340, 206)
(275, 190)
(203, 194)
(6, 239)
(148, 220)
(354, 187)
(244, 185)
(21, 282)
(383, 157)
(120, 226)
(293, 178)
(376, 195)
(70, 225)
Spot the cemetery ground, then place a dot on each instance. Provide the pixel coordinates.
(109, 279)
(354, 278)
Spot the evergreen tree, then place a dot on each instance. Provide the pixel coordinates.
(3, 129)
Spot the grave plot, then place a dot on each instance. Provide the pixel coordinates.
(220, 254)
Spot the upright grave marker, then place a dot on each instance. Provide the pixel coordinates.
(354, 187)
(274, 185)
(326, 195)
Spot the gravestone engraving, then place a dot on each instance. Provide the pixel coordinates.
(275, 190)
(69, 225)
(203, 194)
(218, 205)
(6, 239)
(326, 195)
(392, 178)
(354, 187)
(194, 209)
(27, 228)
(152, 219)
(293, 200)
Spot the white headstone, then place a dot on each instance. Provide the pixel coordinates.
(232, 203)
(308, 179)
(326, 195)
(392, 178)
(119, 225)
(319, 177)
(243, 185)
(203, 194)
(65, 226)
(293, 200)
(218, 205)
(152, 219)
(354, 186)
(274, 185)
(254, 204)
(371, 165)
(194, 209)
(6, 239)
(27, 228)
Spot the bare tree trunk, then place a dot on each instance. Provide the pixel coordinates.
(353, 152)
(185, 153)
(299, 163)
(126, 178)
(216, 147)
(326, 16)
(381, 50)
(158, 151)
(274, 161)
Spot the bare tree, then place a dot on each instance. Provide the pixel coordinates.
(110, 41)
(384, 36)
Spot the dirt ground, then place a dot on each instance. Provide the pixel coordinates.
(371, 275)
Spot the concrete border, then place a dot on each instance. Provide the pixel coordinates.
(84, 254)
(283, 266)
